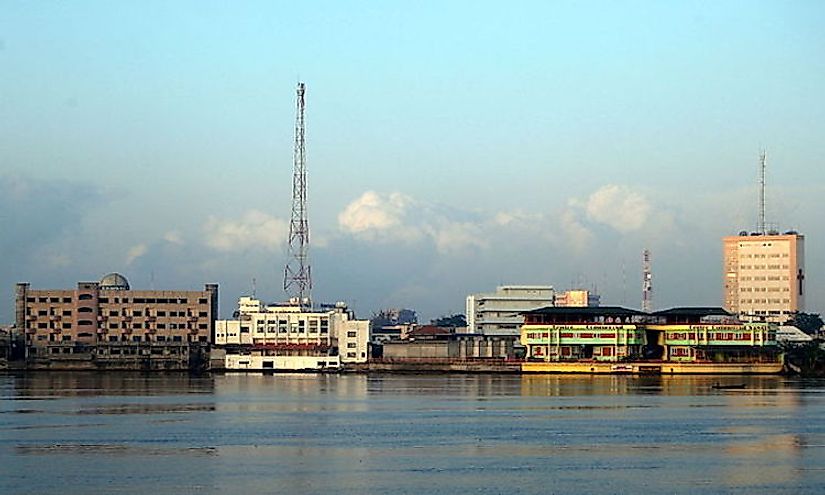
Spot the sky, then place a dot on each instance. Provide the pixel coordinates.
(451, 146)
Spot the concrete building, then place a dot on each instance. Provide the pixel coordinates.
(577, 298)
(764, 276)
(106, 324)
(499, 312)
(289, 337)
(616, 334)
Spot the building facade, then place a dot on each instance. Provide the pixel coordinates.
(616, 334)
(764, 276)
(499, 312)
(108, 324)
(576, 298)
(289, 337)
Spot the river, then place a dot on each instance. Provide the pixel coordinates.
(131, 433)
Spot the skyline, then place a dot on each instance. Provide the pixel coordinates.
(449, 149)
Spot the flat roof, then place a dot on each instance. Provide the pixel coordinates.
(585, 310)
(693, 311)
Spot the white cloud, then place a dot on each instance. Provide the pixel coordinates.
(253, 231)
(372, 214)
(135, 252)
(173, 237)
(619, 207)
(578, 236)
(395, 217)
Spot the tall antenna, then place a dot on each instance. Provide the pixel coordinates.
(760, 225)
(297, 279)
(647, 282)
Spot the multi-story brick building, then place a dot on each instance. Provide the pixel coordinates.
(107, 324)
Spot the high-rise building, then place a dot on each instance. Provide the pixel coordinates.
(764, 275)
(499, 312)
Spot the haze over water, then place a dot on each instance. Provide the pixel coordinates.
(126, 433)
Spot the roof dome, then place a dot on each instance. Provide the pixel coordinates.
(114, 281)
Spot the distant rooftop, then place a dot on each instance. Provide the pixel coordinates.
(692, 311)
(589, 310)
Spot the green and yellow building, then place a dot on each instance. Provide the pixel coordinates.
(617, 339)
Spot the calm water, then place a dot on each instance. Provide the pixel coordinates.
(355, 434)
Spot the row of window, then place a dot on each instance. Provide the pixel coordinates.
(764, 289)
(116, 300)
(144, 325)
(763, 267)
(124, 338)
(764, 301)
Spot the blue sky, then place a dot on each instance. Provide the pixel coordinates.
(452, 146)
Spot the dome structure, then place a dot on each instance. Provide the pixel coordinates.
(114, 281)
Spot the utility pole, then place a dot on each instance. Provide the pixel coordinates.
(297, 278)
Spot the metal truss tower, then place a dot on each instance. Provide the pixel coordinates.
(647, 282)
(761, 227)
(297, 278)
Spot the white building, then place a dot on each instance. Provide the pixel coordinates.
(499, 312)
(290, 337)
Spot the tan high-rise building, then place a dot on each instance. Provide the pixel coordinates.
(763, 275)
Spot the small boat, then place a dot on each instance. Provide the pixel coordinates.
(735, 386)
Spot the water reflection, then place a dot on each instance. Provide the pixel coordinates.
(131, 433)
(65, 384)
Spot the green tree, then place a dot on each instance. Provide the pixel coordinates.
(809, 323)
(456, 320)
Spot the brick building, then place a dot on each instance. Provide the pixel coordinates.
(106, 324)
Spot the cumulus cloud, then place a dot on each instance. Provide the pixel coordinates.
(135, 252)
(377, 216)
(173, 237)
(574, 231)
(395, 217)
(619, 207)
(254, 230)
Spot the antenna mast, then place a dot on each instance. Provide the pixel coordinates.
(297, 279)
(760, 226)
(647, 282)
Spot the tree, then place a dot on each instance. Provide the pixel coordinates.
(809, 323)
(456, 320)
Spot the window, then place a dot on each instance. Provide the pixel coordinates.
(352, 334)
(84, 310)
(352, 345)
(84, 297)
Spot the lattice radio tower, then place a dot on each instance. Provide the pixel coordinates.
(647, 282)
(297, 278)
(761, 227)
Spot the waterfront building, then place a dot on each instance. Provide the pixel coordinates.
(616, 334)
(576, 298)
(291, 337)
(764, 275)
(107, 324)
(608, 333)
(499, 312)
